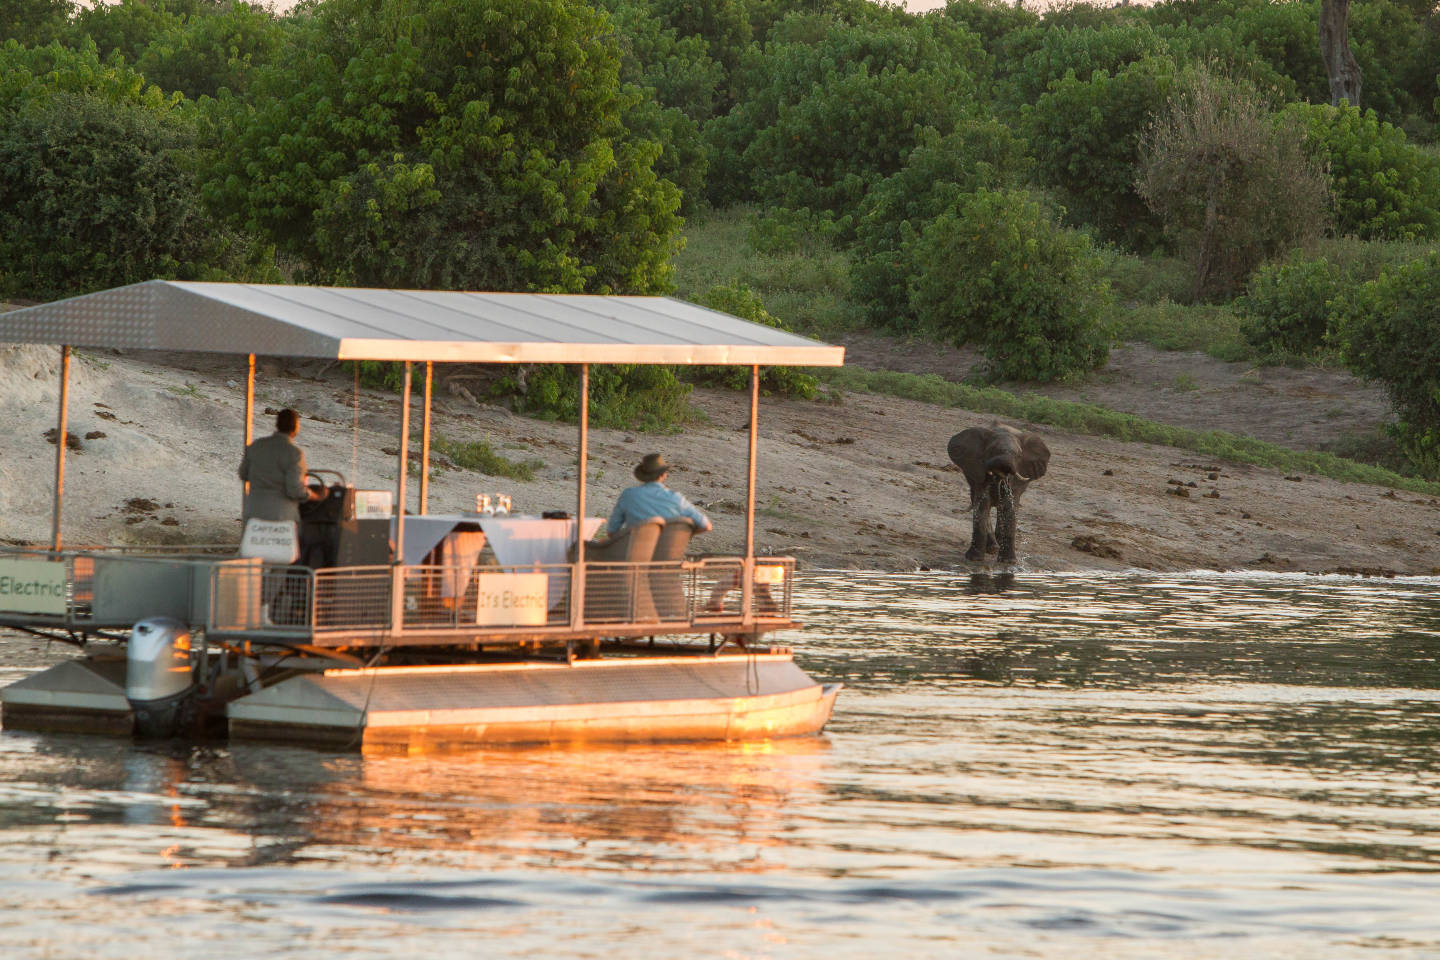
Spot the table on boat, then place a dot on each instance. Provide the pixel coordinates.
(455, 541)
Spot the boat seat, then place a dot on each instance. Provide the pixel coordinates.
(667, 584)
(616, 594)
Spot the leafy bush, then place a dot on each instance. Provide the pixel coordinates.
(1286, 309)
(35, 23)
(980, 153)
(1232, 183)
(97, 181)
(819, 120)
(1085, 135)
(741, 301)
(215, 48)
(476, 455)
(433, 144)
(623, 396)
(1385, 188)
(1081, 51)
(997, 273)
(1388, 333)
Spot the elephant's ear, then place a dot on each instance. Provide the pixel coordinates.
(1034, 456)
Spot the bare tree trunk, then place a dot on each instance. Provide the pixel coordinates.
(1340, 64)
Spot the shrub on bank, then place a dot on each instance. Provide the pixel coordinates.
(997, 273)
(1286, 308)
(1387, 333)
(1385, 187)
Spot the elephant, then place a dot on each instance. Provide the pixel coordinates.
(999, 462)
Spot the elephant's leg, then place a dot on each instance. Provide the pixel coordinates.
(980, 525)
(1005, 523)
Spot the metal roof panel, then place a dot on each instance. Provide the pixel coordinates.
(373, 324)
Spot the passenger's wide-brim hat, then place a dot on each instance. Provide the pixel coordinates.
(653, 467)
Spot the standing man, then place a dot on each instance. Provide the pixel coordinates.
(652, 499)
(275, 469)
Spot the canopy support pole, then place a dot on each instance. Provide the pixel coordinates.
(425, 441)
(402, 463)
(747, 585)
(397, 576)
(60, 435)
(249, 421)
(577, 581)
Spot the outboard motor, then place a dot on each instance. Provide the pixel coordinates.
(159, 675)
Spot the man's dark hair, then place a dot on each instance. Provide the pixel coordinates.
(286, 421)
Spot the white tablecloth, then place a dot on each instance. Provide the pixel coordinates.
(528, 541)
(533, 541)
(519, 541)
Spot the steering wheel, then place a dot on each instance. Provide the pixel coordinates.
(320, 475)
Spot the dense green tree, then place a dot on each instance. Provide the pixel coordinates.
(214, 49)
(724, 25)
(126, 27)
(1080, 52)
(1390, 332)
(679, 70)
(35, 23)
(820, 122)
(1232, 183)
(1385, 187)
(1085, 135)
(996, 272)
(450, 144)
(97, 180)
(981, 153)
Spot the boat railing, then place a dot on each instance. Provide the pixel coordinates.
(94, 591)
(393, 604)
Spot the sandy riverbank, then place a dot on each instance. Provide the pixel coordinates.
(863, 483)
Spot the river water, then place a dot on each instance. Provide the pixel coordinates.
(1088, 766)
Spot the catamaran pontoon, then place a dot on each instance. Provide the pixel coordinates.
(392, 635)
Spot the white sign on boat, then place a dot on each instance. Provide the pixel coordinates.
(511, 599)
(274, 541)
(32, 586)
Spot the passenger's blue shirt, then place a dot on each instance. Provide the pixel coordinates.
(653, 499)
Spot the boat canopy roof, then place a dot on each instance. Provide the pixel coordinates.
(352, 323)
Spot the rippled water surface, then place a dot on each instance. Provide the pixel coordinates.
(1051, 766)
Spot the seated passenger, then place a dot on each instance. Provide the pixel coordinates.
(653, 499)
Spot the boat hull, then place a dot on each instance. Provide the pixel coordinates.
(76, 696)
(605, 701)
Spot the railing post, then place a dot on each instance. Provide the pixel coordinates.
(397, 569)
(747, 573)
(397, 599)
(60, 446)
(425, 442)
(577, 571)
(249, 422)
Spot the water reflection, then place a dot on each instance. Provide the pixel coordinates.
(991, 582)
(1097, 760)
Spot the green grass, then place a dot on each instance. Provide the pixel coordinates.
(1207, 328)
(800, 276)
(1139, 280)
(1098, 421)
(476, 455)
